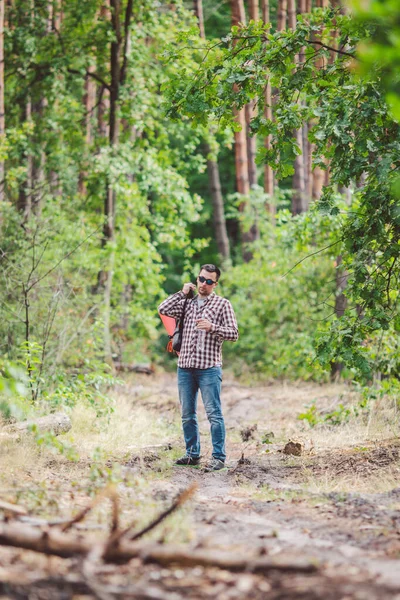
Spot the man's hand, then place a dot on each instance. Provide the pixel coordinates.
(187, 287)
(204, 324)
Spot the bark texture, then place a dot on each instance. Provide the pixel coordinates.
(2, 112)
(219, 222)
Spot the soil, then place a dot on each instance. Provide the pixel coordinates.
(262, 505)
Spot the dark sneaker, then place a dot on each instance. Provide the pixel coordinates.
(188, 461)
(214, 465)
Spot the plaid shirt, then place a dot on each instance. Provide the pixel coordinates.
(202, 349)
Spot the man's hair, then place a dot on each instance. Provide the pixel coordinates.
(211, 269)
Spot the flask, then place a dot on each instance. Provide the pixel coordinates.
(201, 336)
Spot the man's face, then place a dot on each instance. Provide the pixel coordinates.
(205, 288)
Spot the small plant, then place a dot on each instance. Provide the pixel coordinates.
(310, 415)
(338, 416)
(268, 438)
(49, 440)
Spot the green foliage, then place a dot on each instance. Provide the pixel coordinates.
(340, 415)
(279, 308)
(48, 440)
(309, 415)
(352, 129)
(52, 310)
(382, 50)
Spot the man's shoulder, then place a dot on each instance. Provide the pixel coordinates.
(220, 300)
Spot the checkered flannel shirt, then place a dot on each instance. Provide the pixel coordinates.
(194, 354)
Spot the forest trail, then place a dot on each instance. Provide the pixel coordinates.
(297, 509)
(261, 504)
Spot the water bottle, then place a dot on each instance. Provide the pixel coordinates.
(201, 339)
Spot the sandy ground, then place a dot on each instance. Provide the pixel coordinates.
(336, 506)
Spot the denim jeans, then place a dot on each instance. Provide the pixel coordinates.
(208, 381)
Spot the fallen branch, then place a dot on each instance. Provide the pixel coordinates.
(13, 509)
(66, 546)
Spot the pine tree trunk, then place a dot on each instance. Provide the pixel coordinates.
(320, 177)
(110, 195)
(340, 307)
(282, 14)
(198, 11)
(241, 153)
(254, 10)
(89, 102)
(299, 198)
(250, 112)
(219, 222)
(25, 191)
(2, 109)
(268, 172)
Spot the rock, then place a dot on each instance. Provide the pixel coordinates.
(293, 448)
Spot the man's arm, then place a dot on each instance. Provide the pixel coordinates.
(228, 330)
(173, 305)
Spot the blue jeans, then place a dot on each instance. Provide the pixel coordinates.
(208, 381)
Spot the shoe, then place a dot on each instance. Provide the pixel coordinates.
(215, 464)
(188, 461)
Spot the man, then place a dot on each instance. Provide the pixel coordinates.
(209, 320)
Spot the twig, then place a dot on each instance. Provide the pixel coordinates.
(183, 496)
(333, 49)
(81, 515)
(64, 258)
(312, 254)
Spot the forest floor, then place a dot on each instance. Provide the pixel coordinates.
(331, 514)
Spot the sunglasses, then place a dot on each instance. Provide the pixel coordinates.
(204, 280)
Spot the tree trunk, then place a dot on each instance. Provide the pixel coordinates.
(282, 14)
(250, 112)
(89, 102)
(198, 11)
(219, 222)
(254, 10)
(25, 190)
(2, 110)
(110, 195)
(299, 198)
(241, 152)
(291, 12)
(221, 234)
(251, 143)
(340, 307)
(268, 172)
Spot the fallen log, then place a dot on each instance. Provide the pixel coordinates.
(57, 423)
(65, 545)
(132, 368)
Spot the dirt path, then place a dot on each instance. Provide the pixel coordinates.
(262, 506)
(269, 504)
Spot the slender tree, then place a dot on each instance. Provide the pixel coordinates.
(319, 176)
(241, 150)
(299, 199)
(268, 171)
(282, 14)
(219, 222)
(198, 11)
(2, 111)
(250, 111)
